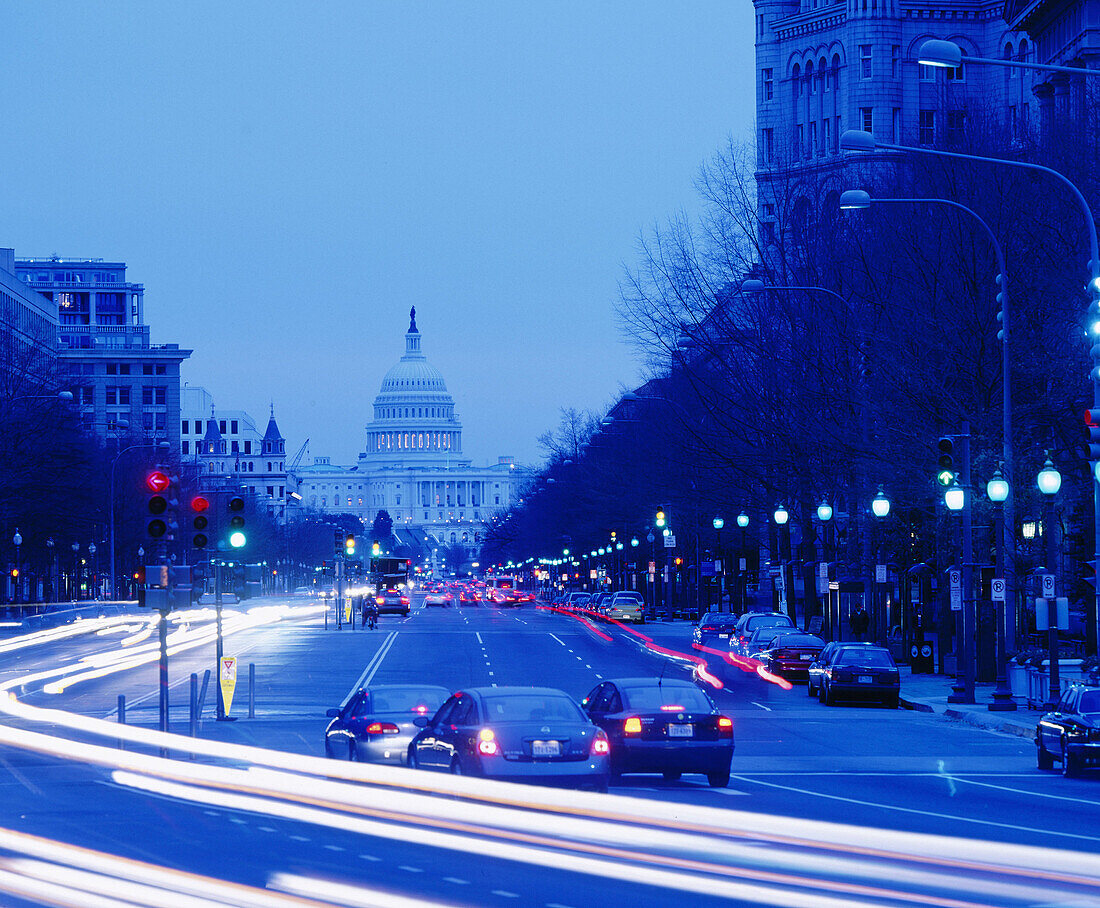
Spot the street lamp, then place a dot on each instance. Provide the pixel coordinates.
(859, 140)
(997, 489)
(1049, 482)
(53, 564)
(880, 505)
(781, 517)
(824, 512)
(948, 55)
(17, 541)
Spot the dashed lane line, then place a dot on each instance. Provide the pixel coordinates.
(479, 640)
(409, 869)
(555, 636)
(369, 857)
(505, 894)
(762, 706)
(456, 881)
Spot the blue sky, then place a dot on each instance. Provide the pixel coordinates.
(287, 179)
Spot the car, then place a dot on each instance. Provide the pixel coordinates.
(861, 672)
(714, 626)
(376, 725)
(761, 640)
(1070, 733)
(663, 725)
(514, 734)
(817, 667)
(302, 592)
(627, 605)
(748, 623)
(441, 599)
(393, 602)
(790, 655)
(600, 602)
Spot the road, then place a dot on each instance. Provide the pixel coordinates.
(864, 767)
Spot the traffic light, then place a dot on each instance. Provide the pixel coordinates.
(1092, 434)
(659, 519)
(1001, 304)
(946, 474)
(338, 542)
(179, 583)
(375, 549)
(199, 522)
(157, 483)
(236, 523)
(349, 546)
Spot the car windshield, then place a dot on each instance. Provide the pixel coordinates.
(873, 658)
(1090, 702)
(532, 708)
(406, 699)
(653, 697)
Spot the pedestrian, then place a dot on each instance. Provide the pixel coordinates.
(859, 621)
(370, 612)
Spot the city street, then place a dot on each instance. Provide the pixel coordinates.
(858, 766)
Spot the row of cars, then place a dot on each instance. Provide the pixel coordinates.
(623, 605)
(539, 734)
(770, 642)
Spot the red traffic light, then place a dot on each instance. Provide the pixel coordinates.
(199, 504)
(156, 481)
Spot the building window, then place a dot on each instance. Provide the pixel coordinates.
(956, 121)
(160, 395)
(796, 81)
(221, 426)
(895, 125)
(161, 370)
(927, 73)
(957, 74)
(867, 122)
(184, 427)
(233, 427)
(198, 427)
(769, 88)
(247, 446)
(825, 143)
(235, 447)
(865, 61)
(895, 60)
(147, 369)
(123, 368)
(186, 447)
(799, 140)
(813, 149)
(927, 123)
(836, 135)
(767, 145)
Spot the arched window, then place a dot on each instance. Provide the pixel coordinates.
(823, 73)
(811, 84)
(796, 81)
(835, 68)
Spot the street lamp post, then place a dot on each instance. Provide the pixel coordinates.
(718, 523)
(92, 570)
(825, 518)
(74, 580)
(783, 543)
(17, 541)
(861, 141)
(651, 539)
(998, 491)
(743, 562)
(880, 507)
(957, 499)
(1049, 481)
(53, 570)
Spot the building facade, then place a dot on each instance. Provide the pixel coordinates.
(28, 330)
(124, 384)
(225, 448)
(412, 465)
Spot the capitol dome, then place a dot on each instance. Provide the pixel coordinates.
(414, 414)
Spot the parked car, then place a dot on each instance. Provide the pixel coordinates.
(861, 672)
(817, 666)
(748, 623)
(514, 734)
(663, 725)
(789, 655)
(761, 639)
(1070, 733)
(627, 605)
(376, 724)
(714, 626)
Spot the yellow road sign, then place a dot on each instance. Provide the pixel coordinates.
(227, 678)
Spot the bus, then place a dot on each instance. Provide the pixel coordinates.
(389, 573)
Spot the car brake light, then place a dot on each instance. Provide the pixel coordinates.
(486, 744)
(672, 708)
(404, 600)
(725, 722)
(382, 728)
(421, 709)
(600, 745)
(632, 726)
(380, 600)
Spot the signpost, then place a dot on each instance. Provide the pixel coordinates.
(955, 581)
(227, 679)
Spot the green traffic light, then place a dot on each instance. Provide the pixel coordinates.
(945, 477)
(236, 540)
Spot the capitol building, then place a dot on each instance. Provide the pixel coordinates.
(412, 465)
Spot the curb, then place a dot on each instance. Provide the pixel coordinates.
(915, 705)
(978, 720)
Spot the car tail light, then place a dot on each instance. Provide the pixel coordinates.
(725, 725)
(600, 745)
(707, 628)
(672, 708)
(632, 726)
(380, 600)
(382, 728)
(404, 600)
(486, 744)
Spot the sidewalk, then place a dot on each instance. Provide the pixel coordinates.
(928, 693)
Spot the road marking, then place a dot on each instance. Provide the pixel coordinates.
(479, 640)
(369, 857)
(557, 905)
(555, 636)
(238, 821)
(409, 869)
(212, 813)
(762, 706)
(299, 838)
(456, 881)
(266, 828)
(504, 893)
(1030, 830)
(1034, 794)
(372, 666)
(335, 848)
(491, 675)
(598, 675)
(727, 791)
(588, 666)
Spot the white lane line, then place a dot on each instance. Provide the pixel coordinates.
(1031, 830)
(266, 828)
(212, 813)
(587, 666)
(1034, 794)
(491, 674)
(335, 848)
(372, 666)
(456, 881)
(504, 893)
(410, 869)
(298, 838)
(555, 636)
(598, 675)
(557, 905)
(494, 684)
(369, 857)
(762, 706)
(479, 640)
(727, 791)
(238, 821)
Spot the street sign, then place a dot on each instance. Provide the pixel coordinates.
(880, 573)
(227, 678)
(653, 567)
(670, 541)
(997, 588)
(823, 569)
(955, 580)
(1048, 586)
(744, 564)
(592, 574)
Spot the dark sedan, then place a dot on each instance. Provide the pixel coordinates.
(376, 724)
(1070, 733)
(394, 602)
(746, 624)
(662, 725)
(817, 667)
(714, 626)
(860, 672)
(791, 654)
(514, 734)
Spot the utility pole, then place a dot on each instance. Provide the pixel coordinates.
(964, 692)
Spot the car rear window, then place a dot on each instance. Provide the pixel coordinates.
(874, 658)
(1090, 702)
(654, 697)
(758, 621)
(799, 640)
(628, 598)
(400, 700)
(532, 708)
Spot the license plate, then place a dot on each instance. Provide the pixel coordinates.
(724, 636)
(806, 657)
(545, 748)
(865, 679)
(680, 731)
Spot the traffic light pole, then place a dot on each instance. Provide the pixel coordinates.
(964, 671)
(218, 648)
(163, 634)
